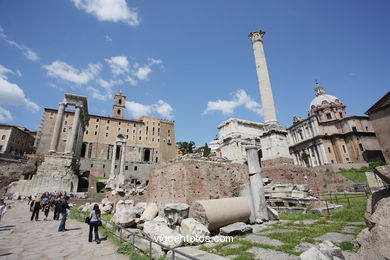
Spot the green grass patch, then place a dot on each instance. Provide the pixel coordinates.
(299, 216)
(107, 217)
(102, 178)
(355, 175)
(346, 246)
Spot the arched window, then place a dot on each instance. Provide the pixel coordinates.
(120, 101)
(118, 112)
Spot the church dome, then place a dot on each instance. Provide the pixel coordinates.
(321, 97)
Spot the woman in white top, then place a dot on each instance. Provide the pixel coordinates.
(3, 208)
(94, 219)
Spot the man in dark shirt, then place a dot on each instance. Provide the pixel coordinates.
(64, 206)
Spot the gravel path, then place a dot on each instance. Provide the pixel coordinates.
(21, 238)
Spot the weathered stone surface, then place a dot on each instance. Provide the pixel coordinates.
(272, 214)
(263, 240)
(303, 247)
(185, 181)
(160, 230)
(235, 229)
(198, 254)
(16, 196)
(268, 254)
(349, 229)
(125, 213)
(175, 213)
(335, 237)
(143, 245)
(159, 219)
(193, 228)
(374, 241)
(330, 250)
(280, 231)
(107, 209)
(313, 254)
(150, 212)
(87, 207)
(218, 213)
(383, 172)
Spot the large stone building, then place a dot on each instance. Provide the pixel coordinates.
(16, 141)
(328, 136)
(142, 142)
(379, 115)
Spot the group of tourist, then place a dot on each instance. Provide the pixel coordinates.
(58, 203)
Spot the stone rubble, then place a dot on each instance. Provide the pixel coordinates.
(175, 213)
(238, 228)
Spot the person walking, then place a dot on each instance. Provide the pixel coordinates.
(64, 207)
(57, 206)
(94, 223)
(36, 206)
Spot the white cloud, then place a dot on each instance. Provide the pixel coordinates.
(106, 92)
(4, 71)
(12, 94)
(142, 73)
(30, 54)
(62, 70)
(132, 81)
(241, 98)
(161, 108)
(118, 64)
(109, 10)
(5, 115)
(107, 38)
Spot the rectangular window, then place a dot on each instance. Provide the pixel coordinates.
(107, 128)
(95, 132)
(119, 129)
(354, 128)
(64, 130)
(330, 151)
(106, 134)
(96, 126)
(97, 119)
(108, 121)
(86, 132)
(126, 167)
(341, 114)
(65, 122)
(361, 147)
(328, 116)
(119, 123)
(344, 149)
(3, 137)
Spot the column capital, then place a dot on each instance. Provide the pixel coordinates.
(256, 36)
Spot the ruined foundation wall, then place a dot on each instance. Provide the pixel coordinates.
(186, 181)
(318, 181)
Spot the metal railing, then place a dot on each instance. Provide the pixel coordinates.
(134, 235)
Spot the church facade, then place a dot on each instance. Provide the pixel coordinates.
(329, 136)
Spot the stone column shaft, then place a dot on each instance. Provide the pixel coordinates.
(121, 176)
(75, 127)
(259, 204)
(267, 100)
(57, 128)
(112, 170)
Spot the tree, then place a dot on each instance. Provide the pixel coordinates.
(186, 147)
(206, 150)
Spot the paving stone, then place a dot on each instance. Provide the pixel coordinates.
(335, 237)
(259, 227)
(268, 254)
(280, 231)
(306, 221)
(350, 255)
(231, 246)
(303, 247)
(356, 223)
(349, 229)
(41, 240)
(263, 240)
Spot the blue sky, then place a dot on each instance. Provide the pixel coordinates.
(190, 61)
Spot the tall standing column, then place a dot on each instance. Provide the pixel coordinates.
(75, 127)
(121, 177)
(57, 128)
(259, 205)
(267, 99)
(112, 170)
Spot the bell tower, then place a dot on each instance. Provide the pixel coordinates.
(118, 109)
